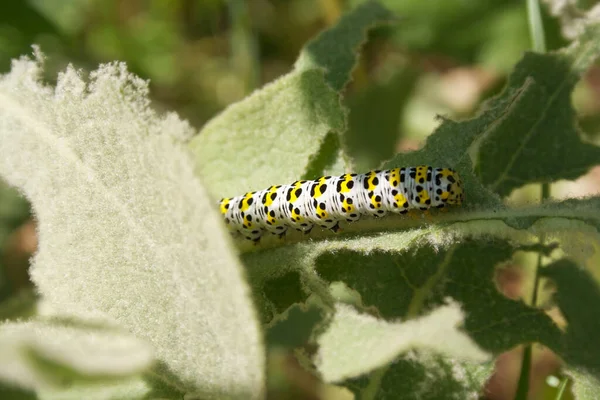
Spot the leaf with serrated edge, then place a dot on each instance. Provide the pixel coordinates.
(278, 134)
(336, 49)
(43, 355)
(268, 137)
(540, 141)
(126, 231)
(355, 343)
(578, 297)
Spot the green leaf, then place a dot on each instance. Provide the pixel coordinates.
(269, 137)
(578, 297)
(132, 389)
(399, 281)
(336, 49)
(148, 386)
(126, 231)
(420, 279)
(423, 375)
(538, 142)
(329, 160)
(355, 343)
(288, 128)
(46, 355)
(571, 216)
(403, 275)
(449, 145)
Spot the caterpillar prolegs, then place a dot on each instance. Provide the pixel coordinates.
(328, 200)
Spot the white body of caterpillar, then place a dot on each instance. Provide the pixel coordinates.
(330, 199)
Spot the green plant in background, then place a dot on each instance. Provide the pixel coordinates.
(145, 295)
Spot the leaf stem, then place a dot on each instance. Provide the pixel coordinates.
(523, 385)
(536, 30)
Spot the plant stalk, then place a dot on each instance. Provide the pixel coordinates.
(538, 41)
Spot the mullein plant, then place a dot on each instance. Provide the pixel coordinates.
(144, 294)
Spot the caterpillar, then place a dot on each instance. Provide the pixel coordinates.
(328, 200)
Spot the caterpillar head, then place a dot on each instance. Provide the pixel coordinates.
(447, 188)
(456, 194)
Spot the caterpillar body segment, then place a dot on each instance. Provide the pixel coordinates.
(329, 200)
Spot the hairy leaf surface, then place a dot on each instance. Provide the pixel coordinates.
(126, 231)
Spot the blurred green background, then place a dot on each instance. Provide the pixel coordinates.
(443, 57)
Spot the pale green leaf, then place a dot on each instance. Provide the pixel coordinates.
(520, 223)
(289, 128)
(355, 343)
(126, 231)
(130, 389)
(268, 137)
(148, 386)
(46, 354)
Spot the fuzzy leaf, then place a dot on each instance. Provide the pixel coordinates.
(336, 49)
(44, 355)
(551, 218)
(126, 231)
(404, 275)
(449, 145)
(288, 128)
(269, 137)
(355, 343)
(578, 297)
(539, 141)
(148, 386)
(585, 386)
(423, 375)
(131, 389)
